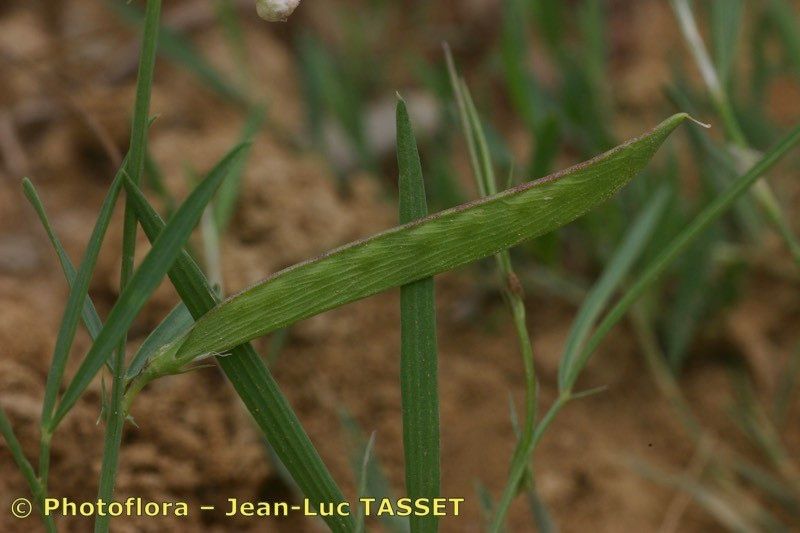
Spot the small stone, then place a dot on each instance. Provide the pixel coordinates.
(276, 10)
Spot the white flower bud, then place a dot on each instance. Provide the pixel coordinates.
(276, 10)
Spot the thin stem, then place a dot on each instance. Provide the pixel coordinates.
(44, 455)
(115, 420)
(483, 171)
(521, 459)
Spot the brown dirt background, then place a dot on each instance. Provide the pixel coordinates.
(194, 440)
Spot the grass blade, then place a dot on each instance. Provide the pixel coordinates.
(417, 250)
(418, 357)
(682, 241)
(719, 95)
(69, 324)
(629, 250)
(487, 184)
(541, 515)
(156, 182)
(24, 467)
(225, 201)
(613, 274)
(89, 314)
(146, 279)
(115, 419)
(180, 50)
(784, 17)
(175, 323)
(377, 483)
(726, 24)
(514, 46)
(235, 36)
(253, 383)
(363, 476)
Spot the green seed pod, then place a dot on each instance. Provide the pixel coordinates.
(276, 10)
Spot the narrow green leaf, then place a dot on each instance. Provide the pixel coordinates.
(690, 301)
(24, 466)
(377, 485)
(89, 314)
(592, 21)
(469, 133)
(363, 475)
(253, 383)
(180, 50)
(514, 48)
(146, 279)
(225, 201)
(629, 250)
(115, 418)
(174, 324)
(550, 16)
(726, 24)
(548, 136)
(784, 17)
(719, 95)
(484, 500)
(156, 181)
(613, 274)
(72, 313)
(235, 36)
(485, 179)
(731, 512)
(541, 515)
(418, 250)
(682, 241)
(418, 354)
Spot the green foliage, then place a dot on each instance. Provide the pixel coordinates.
(565, 111)
(414, 251)
(250, 378)
(418, 354)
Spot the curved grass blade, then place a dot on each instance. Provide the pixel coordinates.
(418, 354)
(252, 380)
(89, 314)
(146, 279)
(416, 250)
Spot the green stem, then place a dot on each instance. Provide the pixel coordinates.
(511, 489)
(35, 484)
(44, 455)
(483, 171)
(115, 420)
